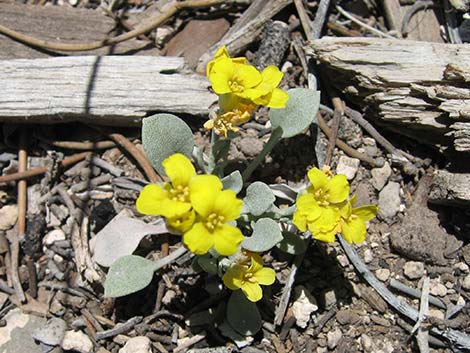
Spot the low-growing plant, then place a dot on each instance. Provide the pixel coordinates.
(228, 233)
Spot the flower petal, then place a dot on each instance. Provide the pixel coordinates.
(365, 213)
(354, 231)
(327, 237)
(265, 276)
(233, 277)
(227, 238)
(179, 169)
(247, 75)
(276, 99)
(182, 223)
(198, 239)
(221, 73)
(317, 178)
(252, 291)
(300, 220)
(337, 188)
(256, 263)
(228, 205)
(203, 191)
(153, 200)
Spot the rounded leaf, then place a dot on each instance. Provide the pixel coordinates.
(243, 315)
(299, 113)
(127, 275)
(233, 182)
(259, 198)
(164, 135)
(266, 234)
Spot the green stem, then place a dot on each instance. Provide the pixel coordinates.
(273, 140)
(212, 156)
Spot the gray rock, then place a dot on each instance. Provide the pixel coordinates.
(413, 269)
(76, 341)
(333, 338)
(8, 216)
(348, 167)
(52, 333)
(368, 256)
(382, 274)
(380, 176)
(466, 282)
(389, 201)
(251, 146)
(139, 344)
(437, 288)
(347, 317)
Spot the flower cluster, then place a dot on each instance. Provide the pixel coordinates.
(324, 209)
(241, 88)
(196, 206)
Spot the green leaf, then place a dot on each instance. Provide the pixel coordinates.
(127, 275)
(300, 112)
(233, 181)
(164, 135)
(242, 314)
(259, 198)
(292, 244)
(266, 234)
(208, 263)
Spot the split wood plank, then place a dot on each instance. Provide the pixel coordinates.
(418, 89)
(110, 90)
(61, 24)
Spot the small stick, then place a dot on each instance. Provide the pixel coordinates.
(96, 325)
(347, 149)
(119, 328)
(41, 170)
(117, 172)
(342, 30)
(320, 18)
(5, 288)
(32, 277)
(416, 293)
(337, 115)
(322, 321)
(304, 20)
(362, 24)
(422, 336)
(189, 342)
(77, 145)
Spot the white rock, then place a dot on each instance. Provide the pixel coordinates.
(8, 216)
(77, 341)
(466, 282)
(333, 338)
(348, 167)
(304, 306)
(368, 256)
(382, 274)
(414, 269)
(52, 333)
(366, 343)
(329, 298)
(53, 236)
(389, 200)
(435, 313)
(139, 344)
(437, 288)
(380, 176)
(462, 266)
(343, 260)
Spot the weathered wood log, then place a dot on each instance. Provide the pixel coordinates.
(418, 89)
(111, 90)
(450, 189)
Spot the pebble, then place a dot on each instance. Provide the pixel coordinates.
(343, 260)
(8, 216)
(333, 338)
(53, 236)
(380, 176)
(413, 269)
(466, 282)
(347, 317)
(330, 298)
(348, 167)
(436, 313)
(52, 333)
(77, 341)
(389, 201)
(438, 289)
(382, 274)
(366, 342)
(251, 146)
(139, 344)
(462, 266)
(368, 256)
(304, 306)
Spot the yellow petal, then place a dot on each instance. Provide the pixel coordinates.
(271, 77)
(203, 192)
(252, 291)
(209, 124)
(179, 169)
(247, 75)
(183, 223)
(365, 213)
(328, 220)
(327, 237)
(354, 231)
(256, 263)
(337, 188)
(276, 99)
(300, 220)
(221, 74)
(233, 277)
(153, 200)
(228, 205)
(227, 238)
(317, 178)
(265, 276)
(198, 239)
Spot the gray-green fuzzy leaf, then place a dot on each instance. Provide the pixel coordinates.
(233, 181)
(299, 113)
(242, 314)
(127, 275)
(164, 135)
(292, 243)
(266, 234)
(259, 198)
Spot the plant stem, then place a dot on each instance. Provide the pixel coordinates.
(273, 140)
(212, 156)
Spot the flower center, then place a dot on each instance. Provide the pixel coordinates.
(179, 193)
(248, 277)
(322, 197)
(235, 85)
(214, 221)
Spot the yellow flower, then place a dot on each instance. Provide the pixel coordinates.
(182, 223)
(221, 53)
(215, 208)
(248, 275)
(353, 221)
(171, 199)
(327, 190)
